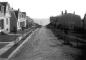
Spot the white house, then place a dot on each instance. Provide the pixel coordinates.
(5, 17)
(21, 19)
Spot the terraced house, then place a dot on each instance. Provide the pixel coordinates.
(84, 22)
(67, 20)
(10, 19)
(21, 19)
(5, 17)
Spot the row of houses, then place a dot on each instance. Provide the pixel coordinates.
(70, 20)
(10, 19)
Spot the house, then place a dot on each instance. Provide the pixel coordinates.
(21, 19)
(29, 22)
(70, 20)
(13, 22)
(5, 17)
(67, 20)
(84, 22)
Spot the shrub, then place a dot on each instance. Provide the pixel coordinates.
(2, 33)
(14, 30)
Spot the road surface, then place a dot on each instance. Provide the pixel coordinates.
(43, 45)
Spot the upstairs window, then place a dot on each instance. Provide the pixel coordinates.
(2, 9)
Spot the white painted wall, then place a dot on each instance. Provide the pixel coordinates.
(18, 23)
(5, 17)
(6, 26)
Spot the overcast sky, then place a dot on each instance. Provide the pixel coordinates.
(47, 8)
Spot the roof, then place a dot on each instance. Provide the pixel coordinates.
(16, 13)
(4, 4)
(12, 14)
(68, 15)
(24, 13)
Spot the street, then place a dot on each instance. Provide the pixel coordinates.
(43, 45)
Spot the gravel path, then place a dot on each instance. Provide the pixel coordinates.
(43, 45)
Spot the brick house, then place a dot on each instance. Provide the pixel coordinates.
(5, 17)
(67, 20)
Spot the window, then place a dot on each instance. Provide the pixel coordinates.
(2, 9)
(18, 23)
(21, 15)
(2, 23)
(7, 21)
(7, 29)
(22, 24)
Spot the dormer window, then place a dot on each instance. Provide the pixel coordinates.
(2, 9)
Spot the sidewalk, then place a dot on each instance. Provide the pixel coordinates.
(8, 40)
(15, 48)
(4, 49)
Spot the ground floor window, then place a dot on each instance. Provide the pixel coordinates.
(22, 24)
(7, 21)
(2, 23)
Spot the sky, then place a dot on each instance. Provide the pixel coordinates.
(42, 9)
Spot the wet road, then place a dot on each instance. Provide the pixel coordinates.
(43, 45)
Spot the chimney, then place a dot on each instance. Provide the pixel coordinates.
(12, 8)
(65, 11)
(18, 9)
(84, 20)
(62, 13)
(85, 14)
(74, 12)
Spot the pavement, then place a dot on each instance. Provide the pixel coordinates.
(43, 45)
(5, 48)
(10, 44)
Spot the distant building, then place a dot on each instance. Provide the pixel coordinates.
(84, 22)
(67, 20)
(71, 20)
(29, 22)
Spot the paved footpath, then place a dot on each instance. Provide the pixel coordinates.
(43, 45)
